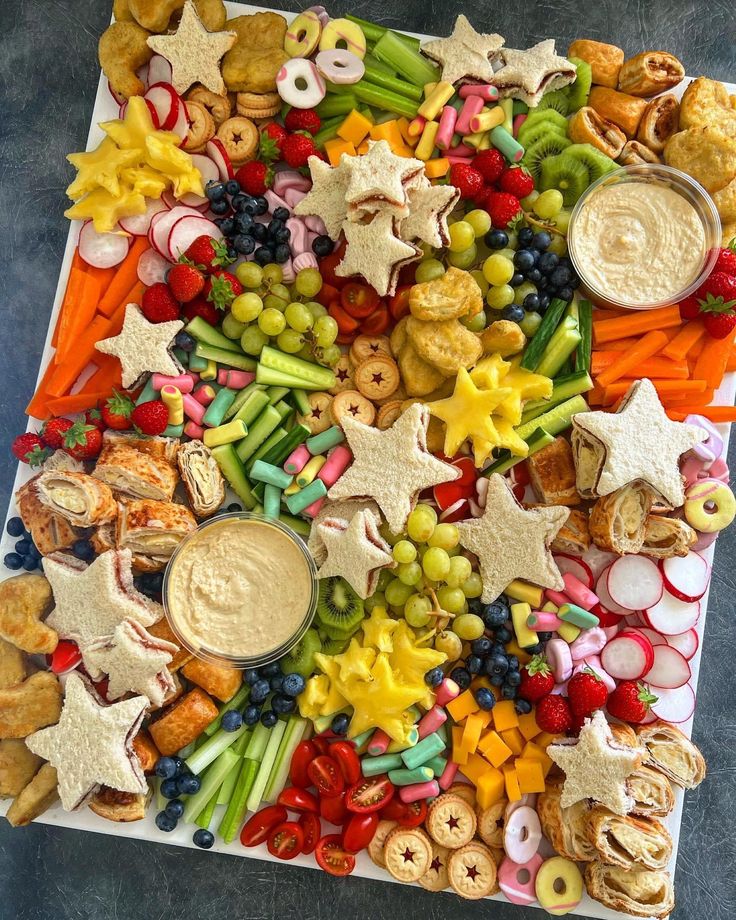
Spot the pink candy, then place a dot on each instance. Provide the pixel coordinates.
(304, 260)
(204, 395)
(593, 662)
(588, 643)
(447, 127)
(461, 150)
(712, 447)
(275, 201)
(290, 178)
(518, 122)
(557, 597)
(379, 743)
(560, 659)
(522, 834)
(287, 271)
(234, 380)
(298, 241)
(541, 621)
(448, 775)
(184, 383)
(193, 431)
(193, 408)
(446, 691)
(335, 465)
(292, 196)
(473, 105)
(316, 225)
(297, 460)
(313, 509)
(578, 592)
(418, 791)
(518, 881)
(431, 721)
(486, 92)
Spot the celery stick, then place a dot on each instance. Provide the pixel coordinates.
(256, 793)
(188, 749)
(378, 65)
(206, 815)
(562, 388)
(276, 394)
(328, 131)
(271, 377)
(301, 401)
(212, 748)
(257, 743)
(535, 348)
(563, 343)
(203, 332)
(252, 407)
(211, 782)
(298, 525)
(241, 398)
(536, 441)
(258, 432)
(232, 469)
(237, 806)
(389, 82)
(556, 420)
(405, 60)
(339, 89)
(228, 787)
(277, 360)
(336, 105)
(294, 733)
(237, 702)
(384, 99)
(373, 32)
(230, 358)
(585, 326)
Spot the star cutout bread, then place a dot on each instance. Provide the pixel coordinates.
(91, 600)
(467, 413)
(596, 766)
(513, 542)
(356, 551)
(340, 509)
(529, 74)
(466, 54)
(143, 347)
(638, 441)
(378, 177)
(92, 745)
(392, 466)
(133, 660)
(375, 251)
(194, 53)
(429, 207)
(326, 198)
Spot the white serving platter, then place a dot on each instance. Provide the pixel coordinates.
(106, 108)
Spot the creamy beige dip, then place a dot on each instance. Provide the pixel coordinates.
(638, 242)
(238, 588)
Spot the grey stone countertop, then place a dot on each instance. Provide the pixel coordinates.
(48, 79)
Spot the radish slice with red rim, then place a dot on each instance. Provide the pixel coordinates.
(670, 669)
(628, 656)
(186, 230)
(102, 250)
(687, 643)
(575, 565)
(152, 268)
(634, 582)
(649, 717)
(672, 617)
(159, 71)
(181, 126)
(158, 235)
(673, 705)
(686, 577)
(216, 151)
(654, 637)
(140, 224)
(597, 560)
(166, 102)
(607, 602)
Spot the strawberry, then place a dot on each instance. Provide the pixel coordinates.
(185, 281)
(630, 701)
(54, 430)
(158, 303)
(503, 208)
(586, 692)
(30, 449)
(553, 714)
(303, 120)
(517, 181)
(255, 177)
(719, 286)
(116, 411)
(221, 288)
(689, 308)
(269, 145)
(296, 149)
(490, 164)
(536, 679)
(466, 179)
(150, 417)
(94, 417)
(201, 307)
(206, 254)
(726, 261)
(719, 325)
(83, 442)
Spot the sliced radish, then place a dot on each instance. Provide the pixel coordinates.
(158, 235)
(573, 564)
(159, 71)
(181, 125)
(606, 619)
(597, 560)
(649, 717)
(636, 620)
(634, 582)
(102, 250)
(139, 224)
(186, 230)
(152, 267)
(216, 151)
(607, 602)
(654, 637)
(123, 109)
(686, 643)
(670, 669)
(674, 705)
(165, 100)
(686, 577)
(672, 617)
(154, 114)
(628, 656)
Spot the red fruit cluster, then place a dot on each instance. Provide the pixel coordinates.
(715, 300)
(489, 182)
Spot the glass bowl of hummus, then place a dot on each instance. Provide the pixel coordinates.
(241, 590)
(643, 236)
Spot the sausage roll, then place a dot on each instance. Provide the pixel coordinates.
(622, 840)
(183, 722)
(651, 791)
(666, 536)
(659, 122)
(141, 467)
(588, 127)
(152, 530)
(574, 535)
(565, 828)
(673, 754)
(605, 60)
(552, 474)
(649, 73)
(146, 751)
(120, 806)
(50, 531)
(635, 153)
(81, 499)
(638, 892)
(618, 521)
(201, 477)
(39, 795)
(162, 630)
(620, 108)
(222, 683)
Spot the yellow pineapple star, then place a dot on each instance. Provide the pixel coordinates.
(411, 661)
(524, 385)
(378, 628)
(105, 209)
(467, 413)
(356, 662)
(100, 168)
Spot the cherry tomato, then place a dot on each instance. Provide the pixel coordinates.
(369, 795)
(359, 832)
(326, 776)
(65, 657)
(520, 473)
(294, 799)
(332, 856)
(460, 511)
(326, 294)
(334, 810)
(286, 840)
(327, 268)
(312, 829)
(303, 755)
(257, 828)
(358, 300)
(377, 323)
(348, 761)
(322, 745)
(346, 339)
(346, 324)
(398, 305)
(411, 815)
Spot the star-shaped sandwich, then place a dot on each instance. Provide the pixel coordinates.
(375, 251)
(466, 54)
(133, 660)
(92, 745)
(392, 466)
(326, 199)
(513, 542)
(194, 53)
(143, 347)
(379, 177)
(596, 766)
(429, 207)
(355, 550)
(529, 74)
(638, 441)
(91, 600)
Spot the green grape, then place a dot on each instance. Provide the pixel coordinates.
(528, 202)
(277, 297)
(290, 341)
(530, 324)
(476, 323)
(558, 245)
(481, 280)
(549, 204)
(252, 340)
(409, 573)
(468, 626)
(507, 253)
(453, 600)
(513, 236)
(455, 551)
(445, 536)
(246, 307)
(392, 539)
(306, 353)
(298, 317)
(526, 287)
(404, 551)
(308, 282)
(460, 572)
(429, 270)
(436, 563)
(417, 611)
(421, 523)
(463, 259)
(562, 221)
(273, 273)
(397, 593)
(479, 220)
(427, 250)
(499, 297)
(325, 330)
(316, 309)
(375, 600)
(331, 355)
(462, 236)
(450, 644)
(232, 327)
(249, 274)
(473, 586)
(497, 269)
(272, 321)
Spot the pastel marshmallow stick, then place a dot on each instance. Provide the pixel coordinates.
(518, 122)
(193, 408)
(379, 743)
(719, 470)
(234, 379)
(184, 382)
(416, 126)
(461, 151)
(316, 224)
(313, 509)
(517, 881)
(275, 201)
(297, 460)
(448, 775)
(299, 239)
(557, 597)
(712, 447)
(473, 105)
(588, 643)
(335, 465)
(287, 271)
(486, 92)
(560, 659)
(446, 691)
(431, 721)
(292, 196)
(171, 397)
(204, 394)
(443, 140)
(507, 144)
(418, 791)
(544, 622)
(304, 260)
(290, 178)
(578, 592)
(694, 469)
(194, 431)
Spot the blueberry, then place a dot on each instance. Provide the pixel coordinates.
(185, 341)
(220, 207)
(181, 767)
(15, 527)
(498, 649)
(544, 636)
(232, 187)
(322, 246)
(274, 226)
(30, 563)
(251, 715)
(513, 662)
(534, 649)
(232, 720)
(474, 663)
(244, 244)
(271, 670)
(259, 233)
(513, 678)
(517, 279)
(227, 225)
(481, 646)
(531, 303)
(203, 838)
(215, 191)
(542, 284)
(496, 239)
(293, 685)
(83, 550)
(503, 635)
(495, 614)
(498, 664)
(243, 223)
(534, 275)
(259, 691)
(188, 784)
(276, 683)
(238, 202)
(524, 260)
(170, 788)
(281, 236)
(523, 707)
(434, 677)
(269, 718)
(263, 255)
(542, 240)
(281, 253)
(250, 206)
(475, 605)
(282, 214)
(560, 276)
(165, 822)
(251, 675)
(543, 302)
(485, 699)
(548, 262)
(175, 809)
(565, 293)
(462, 677)
(283, 705)
(526, 236)
(261, 205)
(151, 584)
(233, 507)
(339, 724)
(574, 282)
(165, 767)
(22, 546)
(13, 561)
(508, 692)
(496, 679)
(513, 312)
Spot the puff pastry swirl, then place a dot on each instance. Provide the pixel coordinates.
(673, 754)
(626, 841)
(638, 892)
(566, 828)
(141, 467)
(80, 499)
(618, 521)
(201, 477)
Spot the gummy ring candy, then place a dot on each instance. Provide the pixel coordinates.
(300, 84)
(559, 886)
(342, 30)
(522, 834)
(340, 66)
(517, 881)
(709, 505)
(303, 35)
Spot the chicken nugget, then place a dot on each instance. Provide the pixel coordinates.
(725, 201)
(452, 295)
(446, 345)
(398, 336)
(121, 11)
(707, 154)
(24, 601)
(419, 377)
(31, 705)
(706, 102)
(251, 65)
(17, 766)
(122, 51)
(35, 798)
(154, 15)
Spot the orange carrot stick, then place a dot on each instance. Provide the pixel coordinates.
(712, 360)
(103, 275)
(66, 405)
(36, 408)
(107, 377)
(78, 317)
(685, 340)
(627, 361)
(712, 413)
(622, 344)
(731, 363)
(66, 373)
(615, 390)
(635, 323)
(126, 276)
(74, 285)
(650, 367)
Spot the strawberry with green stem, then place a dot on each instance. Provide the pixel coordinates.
(536, 679)
(83, 442)
(30, 449)
(631, 701)
(116, 411)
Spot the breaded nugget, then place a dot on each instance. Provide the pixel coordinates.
(707, 102)
(398, 337)
(725, 201)
(122, 50)
(447, 345)
(31, 705)
(707, 154)
(452, 295)
(251, 65)
(419, 377)
(121, 11)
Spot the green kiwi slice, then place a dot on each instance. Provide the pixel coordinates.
(536, 131)
(547, 115)
(548, 146)
(577, 92)
(300, 659)
(339, 609)
(557, 100)
(597, 163)
(565, 173)
(335, 646)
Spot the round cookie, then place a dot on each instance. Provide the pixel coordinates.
(472, 871)
(559, 886)
(408, 853)
(436, 878)
(377, 844)
(451, 821)
(490, 824)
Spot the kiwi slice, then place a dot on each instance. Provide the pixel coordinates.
(547, 115)
(578, 91)
(335, 646)
(339, 609)
(535, 131)
(300, 659)
(557, 100)
(565, 173)
(548, 146)
(597, 163)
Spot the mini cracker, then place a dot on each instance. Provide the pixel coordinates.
(466, 54)
(356, 551)
(528, 75)
(143, 347)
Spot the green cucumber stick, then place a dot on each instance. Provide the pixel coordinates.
(277, 394)
(237, 806)
(205, 816)
(232, 469)
(534, 350)
(228, 787)
(236, 702)
(373, 32)
(563, 343)
(251, 407)
(294, 733)
(405, 60)
(301, 401)
(297, 367)
(538, 439)
(269, 758)
(276, 435)
(562, 388)
(241, 398)
(298, 525)
(230, 358)
(556, 420)
(381, 98)
(257, 434)
(203, 332)
(211, 782)
(257, 743)
(212, 748)
(584, 352)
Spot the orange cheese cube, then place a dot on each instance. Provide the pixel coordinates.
(513, 648)
(479, 682)
(471, 733)
(530, 775)
(533, 751)
(387, 131)
(505, 716)
(462, 706)
(545, 739)
(355, 128)
(437, 167)
(459, 753)
(514, 739)
(475, 768)
(511, 781)
(403, 125)
(362, 149)
(490, 788)
(335, 149)
(528, 725)
(494, 748)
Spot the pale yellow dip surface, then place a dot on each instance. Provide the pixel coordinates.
(239, 588)
(639, 242)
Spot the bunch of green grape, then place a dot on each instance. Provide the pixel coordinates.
(270, 310)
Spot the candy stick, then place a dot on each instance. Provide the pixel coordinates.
(204, 394)
(437, 765)
(431, 721)
(518, 122)
(507, 144)
(218, 407)
(174, 431)
(409, 794)
(271, 501)
(487, 119)
(148, 393)
(578, 592)
(461, 150)
(374, 766)
(447, 127)
(473, 106)
(194, 431)
(235, 380)
(448, 775)
(379, 743)
(313, 509)
(522, 591)
(571, 613)
(210, 371)
(292, 489)
(412, 736)
(507, 106)
(557, 597)
(196, 363)
(225, 434)
(171, 398)
(325, 440)
(474, 140)
(569, 632)
(409, 777)
(423, 150)
(416, 126)
(426, 92)
(446, 691)
(423, 751)
(315, 490)
(268, 473)
(184, 382)
(305, 476)
(297, 460)
(441, 93)
(194, 409)
(488, 93)
(544, 622)
(335, 465)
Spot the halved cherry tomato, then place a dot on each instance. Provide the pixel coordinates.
(346, 339)
(334, 810)
(377, 323)
(344, 753)
(321, 743)
(312, 829)
(332, 856)
(359, 832)
(469, 474)
(398, 305)
(327, 268)
(303, 755)
(459, 511)
(257, 828)
(359, 300)
(346, 324)
(326, 776)
(408, 815)
(300, 800)
(369, 795)
(326, 294)
(286, 840)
